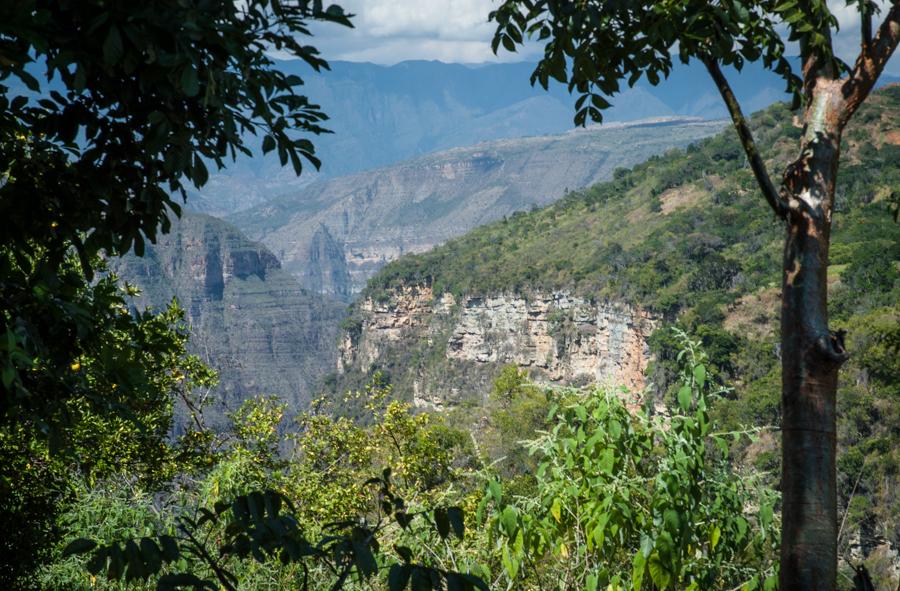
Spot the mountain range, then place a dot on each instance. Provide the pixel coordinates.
(335, 233)
(381, 115)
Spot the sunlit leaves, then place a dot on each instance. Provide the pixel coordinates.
(634, 500)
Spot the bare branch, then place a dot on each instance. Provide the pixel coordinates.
(773, 197)
(871, 61)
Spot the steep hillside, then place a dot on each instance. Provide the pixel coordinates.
(249, 319)
(362, 221)
(585, 290)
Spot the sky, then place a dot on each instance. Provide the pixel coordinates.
(457, 31)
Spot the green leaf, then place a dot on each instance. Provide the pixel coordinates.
(152, 555)
(700, 375)
(555, 510)
(442, 522)
(765, 515)
(509, 520)
(714, 536)
(495, 490)
(684, 398)
(457, 521)
(398, 577)
(79, 546)
(591, 583)
(510, 564)
(169, 547)
(97, 562)
(638, 566)
(672, 520)
(659, 574)
(112, 47)
(404, 552)
(190, 84)
(421, 579)
(365, 560)
(607, 461)
(268, 144)
(403, 519)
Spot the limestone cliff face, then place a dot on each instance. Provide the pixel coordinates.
(248, 318)
(326, 268)
(557, 337)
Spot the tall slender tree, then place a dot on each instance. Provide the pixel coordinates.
(595, 45)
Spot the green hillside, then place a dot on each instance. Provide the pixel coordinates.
(688, 236)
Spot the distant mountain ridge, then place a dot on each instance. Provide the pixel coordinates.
(382, 115)
(335, 233)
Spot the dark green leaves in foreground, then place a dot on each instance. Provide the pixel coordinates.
(261, 526)
(595, 46)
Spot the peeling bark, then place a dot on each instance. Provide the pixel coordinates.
(811, 354)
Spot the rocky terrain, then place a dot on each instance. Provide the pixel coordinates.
(249, 319)
(558, 338)
(335, 234)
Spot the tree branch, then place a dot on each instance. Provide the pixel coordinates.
(871, 61)
(773, 197)
(865, 29)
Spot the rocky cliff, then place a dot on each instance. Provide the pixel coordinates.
(375, 217)
(249, 319)
(557, 337)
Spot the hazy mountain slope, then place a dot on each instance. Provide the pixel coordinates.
(376, 216)
(382, 115)
(249, 319)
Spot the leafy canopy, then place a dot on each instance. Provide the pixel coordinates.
(148, 92)
(132, 101)
(593, 45)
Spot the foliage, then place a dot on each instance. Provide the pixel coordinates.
(145, 94)
(629, 501)
(309, 519)
(262, 525)
(130, 106)
(651, 261)
(134, 102)
(593, 46)
(120, 378)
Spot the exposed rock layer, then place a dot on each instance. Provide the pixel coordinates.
(557, 337)
(375, 217)
(249, 319)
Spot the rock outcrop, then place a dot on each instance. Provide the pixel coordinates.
(557, 337)
(249, 319)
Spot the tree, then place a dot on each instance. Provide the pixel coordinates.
(108, 110)
(136, 100)
(592, 46)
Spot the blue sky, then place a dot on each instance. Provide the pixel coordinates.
(390, 31)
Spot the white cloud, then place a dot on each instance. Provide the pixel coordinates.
(390, 31)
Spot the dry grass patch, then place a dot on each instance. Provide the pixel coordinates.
(755, 315)
(678, 197)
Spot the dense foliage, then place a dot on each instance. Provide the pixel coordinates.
(619, 500)
(698, 251)
(122, 374)
(107, 112)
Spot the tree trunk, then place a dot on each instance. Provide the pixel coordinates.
(811, 355)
